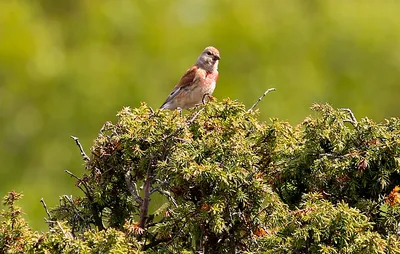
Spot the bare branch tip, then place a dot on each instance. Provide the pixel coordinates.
(83, 154)
(262, 96)
(71, 174)
(45, 207)
(195, 116)
(352, 119)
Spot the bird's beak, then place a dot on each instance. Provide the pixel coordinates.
(217, 58)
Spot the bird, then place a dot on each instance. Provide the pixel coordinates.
(197, 83)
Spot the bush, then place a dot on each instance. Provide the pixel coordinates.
(217, 180)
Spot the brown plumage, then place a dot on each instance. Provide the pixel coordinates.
(197, 81)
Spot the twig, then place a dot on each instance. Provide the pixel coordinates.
(154, 190)
(352, 119)
(69, 199)
(45, 208)
(83, 154)
(132, 189)
(66, 234)
(161, 185)
(136, 189)
(105, 126)
(97, 220)
(331, 155)
(51, 222)
(169, 196)
(86, 191)
(151, 110)
(195, 116)
(259, 99)
(72, 174)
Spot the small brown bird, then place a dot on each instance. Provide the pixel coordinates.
(197, 82)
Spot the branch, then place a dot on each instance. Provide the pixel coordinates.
(146, 199)
(66, 234)
(169, 196)
(83, 154)
(163, 192)
(161, 185)
(132, 188)
(97, 220)
(79, 182)
(352, 119)
(94, 207)
(105, 126)
(195, 116)
(51, 222)
(72, 174)
(331, 155)
(259, 99)
(45, 208)
(151, 110)
(73, 206)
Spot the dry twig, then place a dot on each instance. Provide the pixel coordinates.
(259, 99)
(83, 154)
(352, 119)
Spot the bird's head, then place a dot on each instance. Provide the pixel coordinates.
(209, 59)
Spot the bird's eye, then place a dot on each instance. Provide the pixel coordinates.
(209, 53)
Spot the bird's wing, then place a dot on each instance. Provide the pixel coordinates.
(188, 78)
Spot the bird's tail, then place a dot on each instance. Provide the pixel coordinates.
(164, 106)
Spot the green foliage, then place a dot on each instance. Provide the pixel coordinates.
(320, 227)
(17, 237)
(205, 163)
(15, 234)
(227, 183)
(67, 66)
(357, 162)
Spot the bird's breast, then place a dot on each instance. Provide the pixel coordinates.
(204, 84)
(211, 81)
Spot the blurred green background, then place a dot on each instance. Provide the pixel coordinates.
(68, 66)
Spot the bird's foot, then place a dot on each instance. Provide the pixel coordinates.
(207, 97)
(212, 98)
